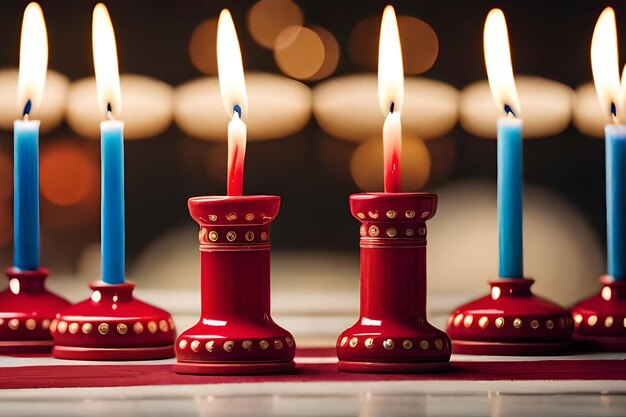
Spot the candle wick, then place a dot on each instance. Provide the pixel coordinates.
(509, 111)
(393, 105)
(110, 112)
(614, 113)
(27, 108)
(237, 109)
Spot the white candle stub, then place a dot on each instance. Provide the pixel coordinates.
(547, 107)
(50, 110)
(147, 111)
(347, 107)
(279, 107)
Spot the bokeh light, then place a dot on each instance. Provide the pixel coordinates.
(587, 113)
(366, 164)
(331, 54)
(68, 174)
(299, 52)
(202, 47)
(268, 18)
(420, 45)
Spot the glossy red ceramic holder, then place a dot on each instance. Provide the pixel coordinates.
(235, 333)
(392, 334)
(600, 321)
(511, 320)
(26, 310)
(113, 325)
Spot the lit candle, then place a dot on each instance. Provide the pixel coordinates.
(510, 178)
(604, 64)
(391, 96)
(112, 146)
(32, 77)
(233, 91)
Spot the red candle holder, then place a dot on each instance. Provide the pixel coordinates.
(235, 333)
(113, 325)
(26, 310)
(600, 321)
(511, 320)
(392, 333)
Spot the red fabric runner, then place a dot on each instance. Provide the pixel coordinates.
(102, 375)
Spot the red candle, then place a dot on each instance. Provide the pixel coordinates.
(233, 90)
(391, 96)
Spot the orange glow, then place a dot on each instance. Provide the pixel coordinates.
(202, 47)
(267, 18)
(303, 55)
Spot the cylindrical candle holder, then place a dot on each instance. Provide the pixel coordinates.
(27, 309)
(600, 320)
(113, 325)
(392, 333)
(235, 333)
(511, 320)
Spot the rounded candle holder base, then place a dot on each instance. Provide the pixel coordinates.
(235, 334)
(113, 325)
(26, 310)
(600, 320)
(392, 334)
(511, 320)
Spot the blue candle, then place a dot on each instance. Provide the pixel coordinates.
(510, 185)
(112, 150)
(616, 200)
(26, 198)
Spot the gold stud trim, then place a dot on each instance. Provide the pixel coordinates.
(182, 344)
(467, 321)
(388, 344)
(517, 323)
(374, 231)
(87, 328)
(421, 231)
(360, 216)
(45, 324)
(534, 324)
(344, 340)
(138, 328)
(369, 342)
(73, 328)
(592, 320)
(213, 236)
(213, 217)
(499, 322)
(103, 328)
(53, 325)
(231, 217)
(353, 342)
(391, 232)
(424, 344)
(407, 344)
(14, 324)
(409, 214)
(231, 236)
(373, 214)
(195, 345)
(163, 326)
(249, 236)
(264, 236)
(30, 324)
(209, 346)
(229, 346)
(458, 320)
(61, 327)
(264, 344)
(152, 327)
(278, 345)
(409, 232)
(246, 344)
(122, 328)
(289, 341)
(439, 344)
(608, 322)
(391, 214)
(483, 322)
(425, 214)
(550, 324)
(249, 216)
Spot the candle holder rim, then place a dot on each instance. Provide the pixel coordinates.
(228, 198)
(14, 272)
(376, 195)
(611, 281)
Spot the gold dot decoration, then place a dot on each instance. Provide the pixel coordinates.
(31, 324)
(534, 324)
(391, 214)
(14, 324)
(407, 344)
(363, 230)
(374, 231)
(421, 231)
(53, 325)
(264, 344)
(458, 320)
(624, 321)
(391, 232)
(388, 344)
(122, 328)
(289, 341)
(231, 236)
(103, 328)
(373, 214)
(249, 236)
(1, 321)
(499, 322)
(425, 214)
(73, 328)
(608, 322)
(182, 344)
(209, 346)
(246, 344)
(44, 324)
(61, 327)
(278, 345)
(249, 216)
(550, 324)
(264, 236)
(195, 345)
(483, 322)
(353, 342)
(213, 236)
(360, 216)
(228, 346)
(231, 217)
(138, 328)
(439, 344)
(592, 320)
(152, 327)
(344, 340)
(517, 323)
(467, 322)
(369, 342)
(163, 326)
(424, 344)
(409, 232)
(409, 214)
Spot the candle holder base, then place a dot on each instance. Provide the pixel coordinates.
(511, 321)
(235, 334)
(26, 310)
(600, 320)
(112, 325)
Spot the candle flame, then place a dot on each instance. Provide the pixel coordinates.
(33, 59)
(390, 69)
(230, 67)
(604, 63)
(498, 62)
(105, 62)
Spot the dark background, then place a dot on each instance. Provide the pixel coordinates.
(548, 38)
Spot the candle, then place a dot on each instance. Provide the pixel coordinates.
(502, 84)
(112, 146)
(604, 65)
(390, 97)
(32, 77)
(234, 98)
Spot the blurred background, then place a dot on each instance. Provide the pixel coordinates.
(314, 138)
